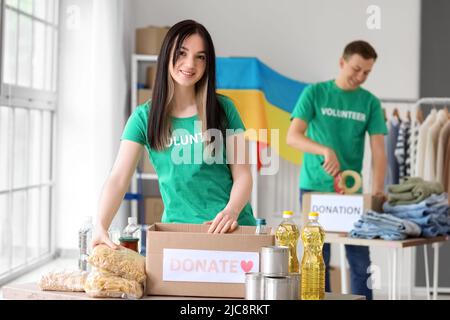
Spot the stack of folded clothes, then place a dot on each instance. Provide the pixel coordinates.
(431, 214)
(412, 190)
(373, 225)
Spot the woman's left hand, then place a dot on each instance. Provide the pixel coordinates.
(225, 221)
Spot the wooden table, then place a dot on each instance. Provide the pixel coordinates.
(395, 246)
(31, 291)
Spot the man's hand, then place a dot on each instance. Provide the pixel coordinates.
(100, 236)
(331, 164)
(225, 221)
(380, 195)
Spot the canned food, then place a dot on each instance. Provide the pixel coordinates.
(275, 261)
(254, 286)
(278, 288)
(295, 281)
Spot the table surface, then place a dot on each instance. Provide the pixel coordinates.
(411, 242)
(31, 291)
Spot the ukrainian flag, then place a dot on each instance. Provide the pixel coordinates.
(263, 97)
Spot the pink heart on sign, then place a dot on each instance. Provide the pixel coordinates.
(246, 265)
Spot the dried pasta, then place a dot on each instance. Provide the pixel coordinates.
(63, 281)
(121, 262)
(100, 284)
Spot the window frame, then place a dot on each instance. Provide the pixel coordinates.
(15, 97)
(14, 94)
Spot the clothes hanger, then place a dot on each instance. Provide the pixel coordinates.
(396, 114)
(419, 116)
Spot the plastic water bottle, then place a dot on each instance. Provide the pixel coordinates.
(261, 227)
(84, 243)
(313, 266)
(287, 235)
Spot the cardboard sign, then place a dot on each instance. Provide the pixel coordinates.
(208, 265)
(336, 212)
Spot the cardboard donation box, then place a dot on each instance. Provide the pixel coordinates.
(185, 260)
(149, 40)
(337, 212)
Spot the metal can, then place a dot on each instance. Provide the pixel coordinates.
(277, 288)
(254, 286)
(294, 280)
(275, 261)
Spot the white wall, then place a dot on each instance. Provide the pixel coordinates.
(303, 39)
(94, 57)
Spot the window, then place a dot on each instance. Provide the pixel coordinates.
(28, 69)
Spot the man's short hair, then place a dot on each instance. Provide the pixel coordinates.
(363, 48)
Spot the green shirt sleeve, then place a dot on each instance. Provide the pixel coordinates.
(304, 108)
(136, 126)
(376, 124)
(234, 119)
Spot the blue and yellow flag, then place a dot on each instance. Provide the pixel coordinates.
(263, 97)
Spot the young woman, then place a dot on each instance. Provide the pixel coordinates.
(189, 133)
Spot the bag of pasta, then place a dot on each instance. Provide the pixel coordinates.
(63, 281)
(121, 262)
(102, 284)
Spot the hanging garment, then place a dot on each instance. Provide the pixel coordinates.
(421, 143)
(412, 155)
(447, 168)
(392, 170)
(429, 172)
(442, 143)
(402, 150)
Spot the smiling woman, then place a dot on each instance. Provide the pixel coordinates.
(184, 105)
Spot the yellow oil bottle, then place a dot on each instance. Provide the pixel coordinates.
(313, 266)
(287, 234)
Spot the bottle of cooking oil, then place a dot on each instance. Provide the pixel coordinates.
(287, 235)
(313, 266)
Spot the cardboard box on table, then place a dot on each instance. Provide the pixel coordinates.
(224, 251)
(338, 212)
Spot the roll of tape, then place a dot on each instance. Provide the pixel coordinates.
(342, 186)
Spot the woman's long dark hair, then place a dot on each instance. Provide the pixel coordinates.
(159, 130)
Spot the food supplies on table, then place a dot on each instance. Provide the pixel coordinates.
(63, 281)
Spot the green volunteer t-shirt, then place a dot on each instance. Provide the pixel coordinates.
(339, 120)
(195, 184)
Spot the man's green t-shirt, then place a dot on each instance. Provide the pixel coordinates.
(193, 187)
(339, 120)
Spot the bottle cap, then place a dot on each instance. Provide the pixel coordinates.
(287, 213)
(260, 221)
(313, 215)
(132, 220)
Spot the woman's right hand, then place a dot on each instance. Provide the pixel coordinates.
(100, 236)
(331, 164)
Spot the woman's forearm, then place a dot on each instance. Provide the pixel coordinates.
(110, 201)
(240, 192)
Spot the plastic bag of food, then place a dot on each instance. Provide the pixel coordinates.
(101, 284)
(121, 262)
(63, 280)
